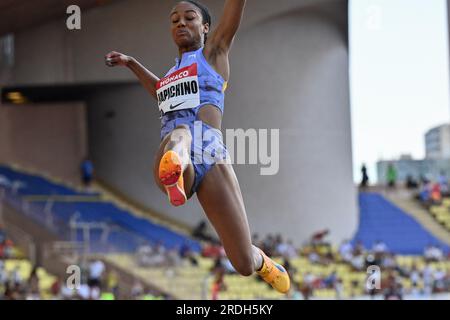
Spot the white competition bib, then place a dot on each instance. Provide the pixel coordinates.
(179, 90)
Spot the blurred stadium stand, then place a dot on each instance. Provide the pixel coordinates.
(381, 219)
(56, 225)
(63, 209)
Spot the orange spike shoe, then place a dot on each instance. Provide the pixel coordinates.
(274, 274)
(171, 176)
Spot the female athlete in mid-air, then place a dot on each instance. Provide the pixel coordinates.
(191, 100)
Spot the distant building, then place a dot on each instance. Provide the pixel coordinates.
(404, 166)
(437, 159)
(437, 142)
(407, 166)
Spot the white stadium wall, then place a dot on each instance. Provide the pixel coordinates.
(289, 71)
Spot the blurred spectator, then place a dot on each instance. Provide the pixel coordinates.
(370, 260)
(11, 292)
(379, 247)
(142, 253)
(287, 249)
(2, 234)
(218, 265)
(392, 288)
(428, 279)
(318, 238)
(425, 193)
(229, 269)
(67, 293)
(33, 286)
(424, 179)
(447, 280)
(346, 251)
(147, 256)
(327, 256)
(95, 293)
(6, 245)
(443, 183)
(55, 288)
(15, 276)
(359, 248)
(290, 269)
(112, 281)
(358, 262)
(433, 254)
(278, 241)
(439, 281)
(160, 253)
(96, 269)
(330, 280)
(388, 261)
(411, 183)
(200, 232)
(4, 181)
(364, 177)
(394, 291)
(314, 257)
(83, 292)
(218, 284)
(3, 274)
(137, 290)
(339, 288)
(6, 249)
(256, 240)
(87, 172)
(307, 288)
(212, 250)
(436, 196)
(414, 276)
(391, 176)
(173, 258)
(295, 293)
(185, 252)
(415, 291)
(268, 245)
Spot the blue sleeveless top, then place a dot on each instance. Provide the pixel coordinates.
(189, 85)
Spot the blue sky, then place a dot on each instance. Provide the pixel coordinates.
(399, 77)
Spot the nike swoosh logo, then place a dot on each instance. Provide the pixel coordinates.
(177, 105)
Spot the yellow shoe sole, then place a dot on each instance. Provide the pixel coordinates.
(171, 176)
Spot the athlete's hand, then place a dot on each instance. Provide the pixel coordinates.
(114, 58)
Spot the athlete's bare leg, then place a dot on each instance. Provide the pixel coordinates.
(221, 198)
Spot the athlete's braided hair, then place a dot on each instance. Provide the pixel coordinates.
(206, 16)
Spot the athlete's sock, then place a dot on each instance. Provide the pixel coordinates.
(259, 261)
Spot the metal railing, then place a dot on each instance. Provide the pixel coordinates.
(43, 214)
(24, 241)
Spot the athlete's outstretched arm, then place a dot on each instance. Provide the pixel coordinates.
(147, 78)
(222, 37)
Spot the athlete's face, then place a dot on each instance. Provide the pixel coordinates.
(187, 25)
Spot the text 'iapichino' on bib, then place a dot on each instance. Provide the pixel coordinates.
(179, 90)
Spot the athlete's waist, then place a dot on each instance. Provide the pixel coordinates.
(193, 111)
(187, 116)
